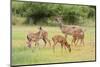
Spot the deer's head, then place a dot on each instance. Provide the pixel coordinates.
(59, 20)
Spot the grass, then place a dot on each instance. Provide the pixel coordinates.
(22, 55)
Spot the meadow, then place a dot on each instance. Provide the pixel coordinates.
(22, 55)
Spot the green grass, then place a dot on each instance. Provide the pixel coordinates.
(39, 55)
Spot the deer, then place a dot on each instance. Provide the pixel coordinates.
(70, 29)
(35, 37)
(62, 40)
(67, 29)
(77, 36)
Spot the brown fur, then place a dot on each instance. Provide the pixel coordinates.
(62, 40)
(35, 37)
(78, 36)
(67, 29)
(74, 30)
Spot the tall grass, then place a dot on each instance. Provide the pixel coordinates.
(21, 54)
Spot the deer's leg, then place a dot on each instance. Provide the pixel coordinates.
(54, 46)
(48, 41)
(72, 41)
(61, 48)
(82, 41)
(68, 46)
(77, 40)
(65, 47)
(29, 43)
(36, 43)
(45, 42)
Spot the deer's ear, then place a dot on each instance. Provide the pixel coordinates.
(56, 19)
(40, 27)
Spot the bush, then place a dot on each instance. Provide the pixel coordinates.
(36, 13)
(18, 20)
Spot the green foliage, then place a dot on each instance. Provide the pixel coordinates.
(18, 20)
(91, 13)
(36, 13)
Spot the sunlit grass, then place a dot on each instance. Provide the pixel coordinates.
(21, 54)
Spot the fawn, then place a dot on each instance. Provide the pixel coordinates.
(62, 40)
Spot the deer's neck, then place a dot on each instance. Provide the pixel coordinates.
(61, 25)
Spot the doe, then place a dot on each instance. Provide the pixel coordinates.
(35, 37)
